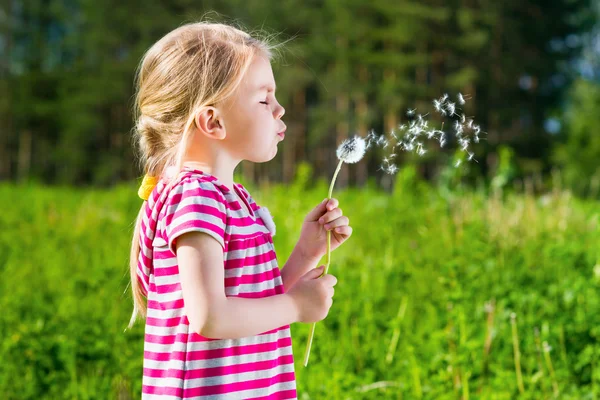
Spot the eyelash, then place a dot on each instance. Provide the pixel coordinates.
(264, 102)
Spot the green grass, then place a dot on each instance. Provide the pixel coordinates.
(427, 286)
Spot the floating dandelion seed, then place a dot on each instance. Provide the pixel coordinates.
(437, 104)
(409, 136)
(392, 169)
(350, 151)
(458, 128)
(451, 107)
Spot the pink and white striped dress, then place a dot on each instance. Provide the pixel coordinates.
(179, 363)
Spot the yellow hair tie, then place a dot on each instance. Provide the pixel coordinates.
(147, 186)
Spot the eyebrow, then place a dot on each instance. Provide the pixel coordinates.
(268, 87)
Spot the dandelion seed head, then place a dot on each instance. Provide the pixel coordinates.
(461, 99)
(351, 150)
(444, 97)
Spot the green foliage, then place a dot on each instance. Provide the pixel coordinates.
(348, 66)
(580, 155)
(424, 283)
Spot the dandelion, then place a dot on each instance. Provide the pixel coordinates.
(411, 112)
(350, 151)
(461, 99)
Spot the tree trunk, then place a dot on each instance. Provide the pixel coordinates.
(24, 160)
(293, 149)
(341, 129)
(5, 104)
(361, 113)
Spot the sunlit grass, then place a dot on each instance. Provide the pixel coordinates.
(426, 289)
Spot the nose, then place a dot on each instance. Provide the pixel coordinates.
(280, 112)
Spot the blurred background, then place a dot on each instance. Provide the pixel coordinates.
(481, 281)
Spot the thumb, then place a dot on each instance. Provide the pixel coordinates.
(318, 211)
(314, 273)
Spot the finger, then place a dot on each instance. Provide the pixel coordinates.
(329, 280)
(345, 231)
(341, 221)
(316, 212)
(314, 273)
(331, 215)
(332, 203)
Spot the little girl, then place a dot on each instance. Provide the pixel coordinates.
(204, 272)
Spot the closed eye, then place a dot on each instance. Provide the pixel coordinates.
(264, 102)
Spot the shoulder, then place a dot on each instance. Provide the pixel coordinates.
(192, 185)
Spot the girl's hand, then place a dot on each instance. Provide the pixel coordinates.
(312, 295)
(313, 236)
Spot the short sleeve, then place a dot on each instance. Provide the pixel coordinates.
(195, 206)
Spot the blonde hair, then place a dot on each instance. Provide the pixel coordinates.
(194, 66)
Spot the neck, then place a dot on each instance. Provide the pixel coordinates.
(223, 170)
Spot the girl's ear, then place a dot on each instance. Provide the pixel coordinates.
(208, 121)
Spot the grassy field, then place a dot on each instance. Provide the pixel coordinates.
(435, 290)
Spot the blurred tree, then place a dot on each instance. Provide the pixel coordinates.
(351, 66)
(581, 153)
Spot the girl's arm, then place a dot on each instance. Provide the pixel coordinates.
(212, 314)
(296, 266)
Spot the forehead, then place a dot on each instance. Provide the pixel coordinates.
(259, 75)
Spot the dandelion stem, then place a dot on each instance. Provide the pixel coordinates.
(314, 324)
(550, 368)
